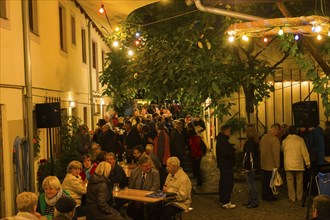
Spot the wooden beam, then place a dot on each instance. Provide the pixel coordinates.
(307, 42)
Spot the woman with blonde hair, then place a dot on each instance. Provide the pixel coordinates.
(75, 185)
(250, 162)
(26, 204)
(99, 202)
(52, 192)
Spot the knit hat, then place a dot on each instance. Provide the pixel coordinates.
(65, 204)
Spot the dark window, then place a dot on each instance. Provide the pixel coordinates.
(83, 45)
(33, 16)
(103, 60)
(3, 9)
(62, 27)
(94, 57)
(73, 30)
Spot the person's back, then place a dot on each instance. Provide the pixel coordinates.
(26, 204)
(270, 158)
(269, 152)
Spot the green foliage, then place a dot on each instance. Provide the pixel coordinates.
(45, 168)
(58, 165)
(70, 125)
(236, 124)
(187, 58)
(36, 144)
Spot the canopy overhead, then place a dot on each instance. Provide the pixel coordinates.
(116, 11)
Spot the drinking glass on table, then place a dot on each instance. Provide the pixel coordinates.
(116, 187)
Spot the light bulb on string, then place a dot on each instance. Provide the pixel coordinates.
(231, 38)
(319, 37)
(137, 42)
(318, 29)
(296, 37)
(115, 44)
(117, 29)
(280, 32)
(130, 53)
(245, 38)
(137, 34)
(328, 33)
(101, 10)
(265, 39)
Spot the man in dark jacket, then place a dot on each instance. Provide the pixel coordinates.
(81, 140)
(109, 142)
(225, 152)
(177, 143)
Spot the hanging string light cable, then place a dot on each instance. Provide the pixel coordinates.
(103, 11)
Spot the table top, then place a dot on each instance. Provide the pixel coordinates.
(136, 195)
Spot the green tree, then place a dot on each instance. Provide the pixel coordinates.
(188, 58)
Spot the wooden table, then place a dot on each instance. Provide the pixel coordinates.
(137, 195)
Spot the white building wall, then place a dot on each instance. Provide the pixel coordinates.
(55, 73)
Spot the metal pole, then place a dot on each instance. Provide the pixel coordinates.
(90, 75)
(219, 11)
(28, 84)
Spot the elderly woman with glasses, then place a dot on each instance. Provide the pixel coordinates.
(52, 191)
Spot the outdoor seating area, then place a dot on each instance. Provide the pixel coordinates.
(164, 109)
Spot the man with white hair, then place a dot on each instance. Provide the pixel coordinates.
(178, 182)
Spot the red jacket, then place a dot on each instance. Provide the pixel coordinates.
(164, 145)
(195, 146)
(92, 170)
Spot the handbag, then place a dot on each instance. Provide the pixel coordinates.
(275, 181)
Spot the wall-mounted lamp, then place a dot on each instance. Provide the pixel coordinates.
(71, 104)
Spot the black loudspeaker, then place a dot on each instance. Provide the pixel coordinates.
(306, 114)
(48, 115)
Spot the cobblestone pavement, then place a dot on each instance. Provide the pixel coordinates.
(205, 201)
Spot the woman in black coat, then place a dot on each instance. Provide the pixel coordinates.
(99, 200)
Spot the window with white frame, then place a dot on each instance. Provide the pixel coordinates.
(73, 30)
(83, 45)
(62, 23)
(33, 16)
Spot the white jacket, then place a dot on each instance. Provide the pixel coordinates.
(74, 186)
(295, 152)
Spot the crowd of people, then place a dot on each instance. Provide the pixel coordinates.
(155, 148)
(297, 152)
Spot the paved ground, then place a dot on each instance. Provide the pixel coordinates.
(205, 201)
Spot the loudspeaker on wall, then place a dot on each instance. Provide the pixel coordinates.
(306, 114)
(48, 115)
